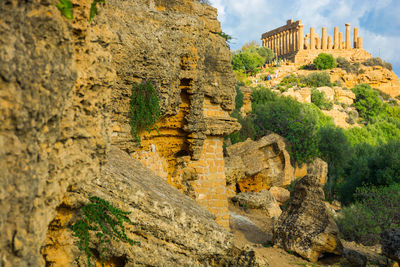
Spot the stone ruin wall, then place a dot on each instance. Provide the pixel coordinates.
(289, 42)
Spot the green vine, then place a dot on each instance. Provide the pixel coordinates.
(106, 221)
(145, 109)
(67, 10)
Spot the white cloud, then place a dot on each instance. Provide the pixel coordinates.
(247, 20)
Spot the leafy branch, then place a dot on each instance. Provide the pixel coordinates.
(106, 221)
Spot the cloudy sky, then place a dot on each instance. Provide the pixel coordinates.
(378, 21)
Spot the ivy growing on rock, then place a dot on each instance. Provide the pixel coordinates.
(106, 221)
(145, 109)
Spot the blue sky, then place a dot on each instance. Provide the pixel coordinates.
(378, 21)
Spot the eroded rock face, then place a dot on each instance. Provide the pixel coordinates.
(55, 86)
(306, 227)
(257, 165)
(172, 229)
(262, 200)
(376, 76)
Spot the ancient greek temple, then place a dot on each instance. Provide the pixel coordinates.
(289, 42)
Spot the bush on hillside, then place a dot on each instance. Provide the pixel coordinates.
(367, 102)
(347, 66)
(318, 79)
(318, 98)
(334, 148)
(289, 119)
(324, 61)
(378, 166)
(376, 209)
(377, 61)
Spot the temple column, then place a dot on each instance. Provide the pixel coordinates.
(336, 38)
(348, 41)
(360, 42)
(330, 42)
(324, 45)
(355, 37)
(279, 44)
(283, 42)
(340, 40)
(312, 38)
(300, 38)
(287, 42)
(294, 45)
(318, 43)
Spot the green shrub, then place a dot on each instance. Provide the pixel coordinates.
(376, 209)
(334, 148)
(318, 79)
(367, 101)
(288, 118)
(145, 109)
(379, 166)
(318, 98)
(377, 61)
(239, 98)
(291, 81)
(324, 61)
(105, 221)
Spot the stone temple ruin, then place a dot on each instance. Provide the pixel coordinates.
(289, 43)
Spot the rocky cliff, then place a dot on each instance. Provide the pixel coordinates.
(64, 98)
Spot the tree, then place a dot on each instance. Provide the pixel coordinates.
(367, 101)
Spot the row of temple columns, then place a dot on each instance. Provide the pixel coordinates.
(292, 40)
(286, 41)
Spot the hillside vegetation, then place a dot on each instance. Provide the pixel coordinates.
(363, 161)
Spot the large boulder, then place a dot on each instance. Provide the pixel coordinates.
(171, 228)
(258, 165)
(306, 226)
(390, 240)
(262, 200)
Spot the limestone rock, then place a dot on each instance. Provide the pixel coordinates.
(376, 76)
(280, 194)
(257, 165)
(262, 200)
(306, 227)
(390, 240)
(318, 168)
(167, 223)
(329, 93)
(344, 96)
(303, 95)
